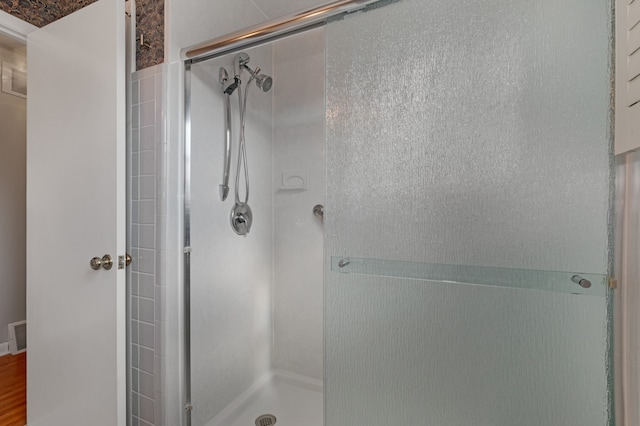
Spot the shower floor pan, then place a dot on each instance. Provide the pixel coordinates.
(292, 399)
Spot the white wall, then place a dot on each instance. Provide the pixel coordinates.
(13, 122)
(298, 147)
(231, 276)
(189, 22)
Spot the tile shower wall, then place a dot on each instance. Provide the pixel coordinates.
(147, 247)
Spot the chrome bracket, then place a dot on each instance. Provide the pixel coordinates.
(582, 282)
(343, 262)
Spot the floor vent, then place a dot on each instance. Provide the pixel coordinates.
(266, 420)
(17, 337)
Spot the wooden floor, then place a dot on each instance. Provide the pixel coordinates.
(13, 390)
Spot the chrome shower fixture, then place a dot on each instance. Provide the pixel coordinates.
(239, 61)
(241, 215)
(263, 81)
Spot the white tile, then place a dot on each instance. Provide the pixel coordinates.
(147, 236)
(147, 280)
(133, 280)
(146, 261)
(160, 118)
(133, 236)
(147, 163)
(135, 374)
(147, 212)
(159, 341)
(135, 404)
(146, 287)
(146, 313)
(147, 138)
(147, 114)
(146, 384)
(160, 262)
(135, 349)
(134, 307)
(145, 72)
(161, 205)
(134, 211)
(135, 164)
(147, 335)
(135, 92)
(135, 117)
(135, 188)
(148, 89)
(147, 410)
(134, 264)
(134, 330)
(135, 140)
(147, 187)
(146, 360)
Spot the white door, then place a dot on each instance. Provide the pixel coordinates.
(75, 211)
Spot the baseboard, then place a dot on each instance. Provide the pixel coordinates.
(4, 348)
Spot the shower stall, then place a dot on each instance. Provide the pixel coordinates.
(462, 153)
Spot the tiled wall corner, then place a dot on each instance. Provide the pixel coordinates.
(147, 247)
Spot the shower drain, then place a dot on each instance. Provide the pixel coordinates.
(266, 420)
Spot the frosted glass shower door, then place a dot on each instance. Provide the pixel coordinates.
(468, 193)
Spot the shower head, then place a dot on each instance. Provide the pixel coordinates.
(263, 81)
(240, 61)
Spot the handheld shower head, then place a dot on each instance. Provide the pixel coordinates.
(240, 61)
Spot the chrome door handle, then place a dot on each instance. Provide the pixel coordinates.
(106, 262)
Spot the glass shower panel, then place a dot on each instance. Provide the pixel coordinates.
(231, 276)
(468, 188)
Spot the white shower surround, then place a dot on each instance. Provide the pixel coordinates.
(257, 300)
